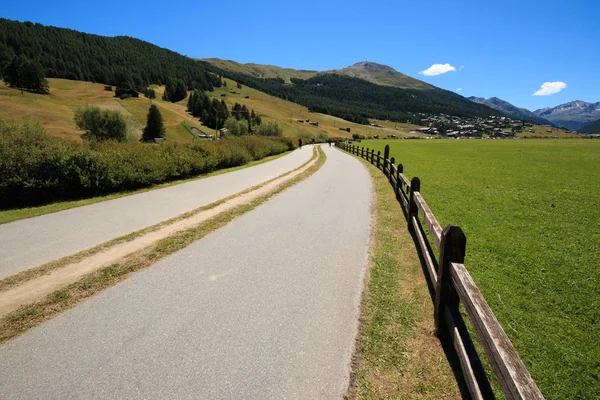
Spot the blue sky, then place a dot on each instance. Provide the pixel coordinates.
(506, 49)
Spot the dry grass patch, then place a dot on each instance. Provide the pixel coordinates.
(398, 354)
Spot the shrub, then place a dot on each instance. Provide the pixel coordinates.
(101, 124)
(36, 168)
(269, 129)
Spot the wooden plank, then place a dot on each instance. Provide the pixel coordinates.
(514, 378)
(424, 250)
(435, 229)
(463, 357)
(405, 181)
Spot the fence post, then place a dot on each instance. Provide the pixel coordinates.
(392, 162)
(399, 170)
(378, 158)
(386, 156)
(372, 153)
(452, 250)
(413, 209)
(362, 152)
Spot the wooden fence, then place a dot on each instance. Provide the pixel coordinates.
(453, 284)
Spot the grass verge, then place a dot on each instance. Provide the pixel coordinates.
(16, 214)
(34, 314)
(398, 354)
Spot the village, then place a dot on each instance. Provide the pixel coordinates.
(450, 126)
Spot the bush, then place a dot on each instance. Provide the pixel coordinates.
(36, 168)
(269, 129)
(101, 124)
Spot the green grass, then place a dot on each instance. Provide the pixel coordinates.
(530, 213)
(16, 214)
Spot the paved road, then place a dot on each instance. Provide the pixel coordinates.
(264, 308)
(31, 242)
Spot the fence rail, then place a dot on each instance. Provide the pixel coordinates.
(452, 285)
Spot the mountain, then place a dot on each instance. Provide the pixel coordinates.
(69, 54)
(382, 75)
(572, 115)
(513, 111)
(261, 71)
(594, 127)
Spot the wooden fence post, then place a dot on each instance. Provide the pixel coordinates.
(399, 170)
(362, 152)
(452, 250)
(392, 162)
(386, 156)
(378, 158)
(413, 209)
(372, 155)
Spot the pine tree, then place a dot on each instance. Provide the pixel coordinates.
(154, 126)
(25, 74)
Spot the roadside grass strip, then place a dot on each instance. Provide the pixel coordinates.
(398, 354)
(113, 261)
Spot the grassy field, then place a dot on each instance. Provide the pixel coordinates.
(530, 211)
(55, 111)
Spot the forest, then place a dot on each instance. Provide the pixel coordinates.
(69, 54)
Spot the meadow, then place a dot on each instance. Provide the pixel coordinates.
(529, 209)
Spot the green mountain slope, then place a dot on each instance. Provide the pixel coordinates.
(65, 53)
(358, 100)
(594, 127)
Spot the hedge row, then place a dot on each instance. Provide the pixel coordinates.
(36, 168)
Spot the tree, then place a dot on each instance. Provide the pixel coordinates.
(175, 90)
(149, 93)
(101, 124)
(154, 125)
(25, 74)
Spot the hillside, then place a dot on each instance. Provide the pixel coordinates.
(594, 127)
(357, 100)
(69, 54)
(382, 75)
(260, 71)
(511, 110)
(55, 111)
(573, 115)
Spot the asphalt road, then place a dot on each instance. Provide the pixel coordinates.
(35, 241)
(263, 308)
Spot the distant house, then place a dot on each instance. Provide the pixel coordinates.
(108, 88)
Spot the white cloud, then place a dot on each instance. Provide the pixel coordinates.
(458, 90)
(437, 69)
(549, 88)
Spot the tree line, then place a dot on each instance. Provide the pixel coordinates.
(117, 61)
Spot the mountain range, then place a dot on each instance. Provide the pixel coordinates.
(513, 111)
(573, 115)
